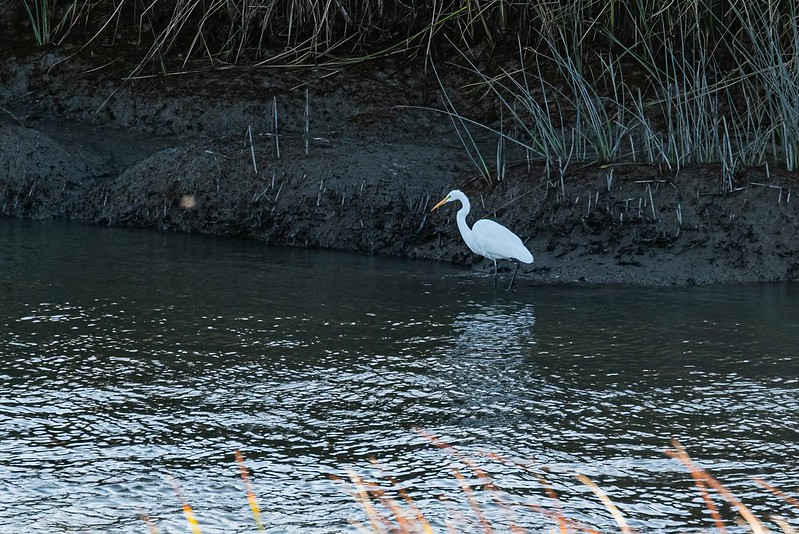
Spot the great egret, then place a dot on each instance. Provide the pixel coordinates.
(488, 238)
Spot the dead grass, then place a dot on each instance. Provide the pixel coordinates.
(389, 509)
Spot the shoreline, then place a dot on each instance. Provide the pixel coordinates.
(173, 156)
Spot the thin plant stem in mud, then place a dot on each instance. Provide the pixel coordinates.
(274, 126)
(252, 149)
(194, 525)
(245, 477)
(307, 123)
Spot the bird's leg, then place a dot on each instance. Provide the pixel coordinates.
(512, 278)
(495, 274)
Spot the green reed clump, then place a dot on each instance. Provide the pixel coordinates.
(704, 88)
(39, 15)
(687, 81)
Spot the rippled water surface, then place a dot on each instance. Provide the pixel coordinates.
(129, 357)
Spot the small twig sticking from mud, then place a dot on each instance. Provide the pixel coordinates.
(252, 150)
(609, 179)
(33, 185)
(307, 123)
(258, 196)
(678, 209)
(274, 114)
(424, 220)
(651, 202)
(274, 202)
(319, 195)
(772, 186)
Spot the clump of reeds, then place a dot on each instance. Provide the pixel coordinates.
(687, 81)
(388, 508)
(690, 82)
(386, 514)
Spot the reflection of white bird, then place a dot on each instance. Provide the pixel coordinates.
(488, 238)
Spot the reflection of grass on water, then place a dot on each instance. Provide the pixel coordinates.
(386, 514)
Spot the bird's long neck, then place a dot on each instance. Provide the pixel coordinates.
(461, 216)
(466, 232)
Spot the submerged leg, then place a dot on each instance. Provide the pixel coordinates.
(495, 273)
(512, 278)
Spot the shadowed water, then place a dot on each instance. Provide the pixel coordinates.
(127, 357)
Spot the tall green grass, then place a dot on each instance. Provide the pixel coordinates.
(712, 86)
(680, 82)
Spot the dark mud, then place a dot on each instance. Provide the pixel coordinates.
(359, 172)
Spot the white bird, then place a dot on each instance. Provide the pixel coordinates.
(488, 238)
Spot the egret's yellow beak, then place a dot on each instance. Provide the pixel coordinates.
(443, 201)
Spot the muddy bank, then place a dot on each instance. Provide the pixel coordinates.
(357, 173)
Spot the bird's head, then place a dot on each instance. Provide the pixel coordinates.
(455, 194)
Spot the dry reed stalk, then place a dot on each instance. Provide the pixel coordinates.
(557, 516)
(680, 454)
(393, 505)
(426, 528)
(607, 502)
(361, 495)
(467, 490)
(151, 528)
(245, 477)
(468, 462)
(793, 501)
(187, 511)
(786, 528)
(481, 474)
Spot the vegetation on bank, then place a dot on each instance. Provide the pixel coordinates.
(688, 81)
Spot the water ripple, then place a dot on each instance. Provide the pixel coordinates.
(115, 375)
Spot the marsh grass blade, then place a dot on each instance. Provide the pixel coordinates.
(194, 525)
(697, 473)
(245, 477)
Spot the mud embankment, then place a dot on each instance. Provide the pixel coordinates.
(347, 169)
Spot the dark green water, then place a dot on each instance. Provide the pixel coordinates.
(127, 357)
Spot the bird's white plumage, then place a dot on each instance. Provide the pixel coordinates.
(496, 242)
(486, 237)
